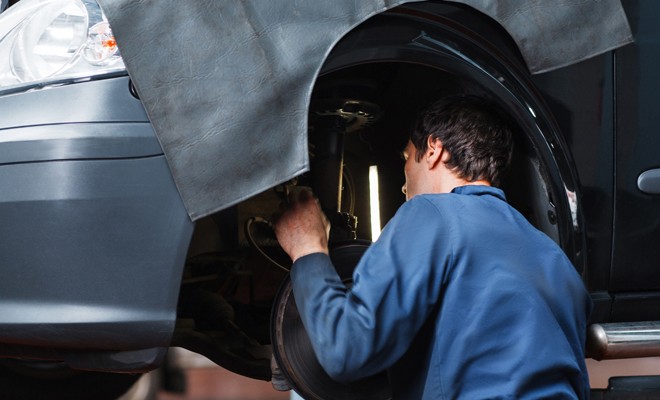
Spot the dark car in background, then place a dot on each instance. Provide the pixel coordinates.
(102, 270)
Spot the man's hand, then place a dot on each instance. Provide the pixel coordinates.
(303, 228)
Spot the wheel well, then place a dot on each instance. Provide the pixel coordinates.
(418, 52)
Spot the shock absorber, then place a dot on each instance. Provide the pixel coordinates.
(330, 120)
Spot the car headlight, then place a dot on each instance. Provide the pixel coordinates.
(46, 42)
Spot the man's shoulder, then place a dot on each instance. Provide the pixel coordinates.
(415, 213)
(434, 202)
(420, 203)
(425, 209)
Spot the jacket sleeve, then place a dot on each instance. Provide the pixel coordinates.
(363, 330)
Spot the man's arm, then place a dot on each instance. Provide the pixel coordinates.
(364, 330)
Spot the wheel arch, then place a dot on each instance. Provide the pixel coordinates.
(459, 40)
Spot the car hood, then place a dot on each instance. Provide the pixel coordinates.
(226, 84)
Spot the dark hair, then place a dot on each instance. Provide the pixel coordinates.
(475, 132)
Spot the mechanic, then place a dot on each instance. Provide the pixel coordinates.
(460, 297)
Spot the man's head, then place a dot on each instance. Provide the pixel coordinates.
(474, 132)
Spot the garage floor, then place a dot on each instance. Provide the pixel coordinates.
(202, 380)
(220, 384)
(207, 381)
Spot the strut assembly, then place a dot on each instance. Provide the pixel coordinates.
(333, 115)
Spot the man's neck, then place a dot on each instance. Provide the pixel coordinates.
(450, 181)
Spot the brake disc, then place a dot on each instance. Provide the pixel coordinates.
(293, 350)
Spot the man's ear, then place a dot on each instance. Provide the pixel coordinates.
(435, 152)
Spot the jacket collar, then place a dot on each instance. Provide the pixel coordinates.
(480, 190)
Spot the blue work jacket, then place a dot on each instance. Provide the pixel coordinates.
(459, 298)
